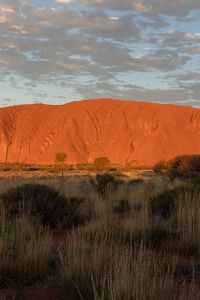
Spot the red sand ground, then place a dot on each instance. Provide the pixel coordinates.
(121, 130)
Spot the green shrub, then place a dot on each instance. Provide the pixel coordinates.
(53, 209)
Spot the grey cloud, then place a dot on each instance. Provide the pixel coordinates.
(5, 102)
(178, 38)
(192, 49)
(178, 96)
(188, 19)
(189, 76)
(176, 7)
(162, 59)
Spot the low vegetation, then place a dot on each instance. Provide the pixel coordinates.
(100, 237)
(185, 166)
(50, 206)
(25, 250)
(102, 164)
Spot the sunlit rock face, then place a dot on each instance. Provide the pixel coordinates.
(123, 131)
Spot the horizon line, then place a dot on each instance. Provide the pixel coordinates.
(101, 99)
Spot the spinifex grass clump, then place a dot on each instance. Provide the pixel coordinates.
(165, 203)
(113, 272)
(177, 213)
(186, 221)
(53, 209)
(25, 250)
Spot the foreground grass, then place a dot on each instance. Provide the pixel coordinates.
(25, 250)
(109, 271)
(121, 249)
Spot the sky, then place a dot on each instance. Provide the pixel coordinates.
(57, 51)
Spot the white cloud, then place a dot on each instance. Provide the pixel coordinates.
(63, 1)
(142, 8)
(114, 18)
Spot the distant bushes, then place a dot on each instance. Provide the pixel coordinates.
(181, 166)
(102, 164)
(94, 167)
(18, 167)
(52, 208)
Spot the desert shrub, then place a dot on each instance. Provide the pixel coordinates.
(52, 208)
(160, 237)
(101, 163)
(54, 169)
(188, 246)
(135, 182)
(25, 250)
(122, 207)
(137, 206)
(102, 182)
(32, 169)
(184, 166)
(81, 167)
(112, 169)
(165, 203)
(186, 221)
(180, 230)
(160, 166)
(86, 167)
(18, 167)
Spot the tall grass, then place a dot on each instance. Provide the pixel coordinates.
(187, 222)
(113, 272)
(188, 214)
(115, 254)
(25, 249)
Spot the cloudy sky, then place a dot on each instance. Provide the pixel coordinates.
(56, 51)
